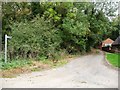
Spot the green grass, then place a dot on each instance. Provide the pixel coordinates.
(15, 64)
(21, 63)
(114, 59)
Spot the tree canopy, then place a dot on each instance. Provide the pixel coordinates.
(45, 28)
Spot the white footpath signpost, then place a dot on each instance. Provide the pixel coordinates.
(6, 37)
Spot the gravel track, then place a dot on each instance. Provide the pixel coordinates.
(84, 72)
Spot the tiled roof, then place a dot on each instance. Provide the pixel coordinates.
(107, 41)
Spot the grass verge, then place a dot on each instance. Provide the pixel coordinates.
(15, 64)
(113, 59)
(15, 67)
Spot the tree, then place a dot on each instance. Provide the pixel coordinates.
(73, 26)
(116, 23)
(75, 30)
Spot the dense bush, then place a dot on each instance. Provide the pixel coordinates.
(33, 39)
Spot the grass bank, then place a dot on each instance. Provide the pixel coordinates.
(16, 67)
(113, 58)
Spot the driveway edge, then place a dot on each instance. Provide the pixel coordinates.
(108, 64)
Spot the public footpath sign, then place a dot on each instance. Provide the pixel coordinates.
(6, 37)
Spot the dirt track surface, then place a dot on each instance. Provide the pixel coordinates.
(84, 72)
